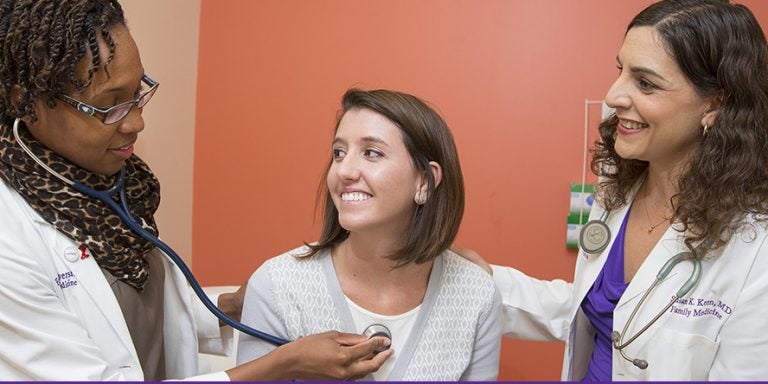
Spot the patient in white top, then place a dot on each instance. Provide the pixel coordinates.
(394, 199)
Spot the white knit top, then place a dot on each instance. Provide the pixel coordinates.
(456, 336)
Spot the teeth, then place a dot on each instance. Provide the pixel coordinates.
(355, 196)
(633, 124)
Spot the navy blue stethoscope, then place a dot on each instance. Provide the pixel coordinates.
(594, 238)
(106, 197)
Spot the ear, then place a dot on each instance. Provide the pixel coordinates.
(709, 117)
(437, 173)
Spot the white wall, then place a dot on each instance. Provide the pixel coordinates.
(167, 35)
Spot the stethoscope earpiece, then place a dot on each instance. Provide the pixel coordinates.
(642, 364)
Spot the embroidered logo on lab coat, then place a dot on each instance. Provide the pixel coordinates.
(66, 280)
(698, 307)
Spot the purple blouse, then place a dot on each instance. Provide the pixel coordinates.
(599, 304)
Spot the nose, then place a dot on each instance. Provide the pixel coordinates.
(348, 168)
(617, 96)
(133, 122)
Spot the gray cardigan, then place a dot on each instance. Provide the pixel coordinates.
(457, 334)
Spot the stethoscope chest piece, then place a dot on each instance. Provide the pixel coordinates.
(594, 236)
(374, 330)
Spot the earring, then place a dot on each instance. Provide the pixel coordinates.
(706, 128)
(420, 199)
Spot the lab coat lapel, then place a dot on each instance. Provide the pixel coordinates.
(671, 243)
(100, 296)
(591, 265)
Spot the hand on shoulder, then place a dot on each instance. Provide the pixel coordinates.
(474, 257)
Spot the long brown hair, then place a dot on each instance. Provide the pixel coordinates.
(722, 50)
(427, 138)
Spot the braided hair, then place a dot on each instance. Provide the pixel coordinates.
(42, 44)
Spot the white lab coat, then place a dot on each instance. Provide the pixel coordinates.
(718, 333)
(59, 319)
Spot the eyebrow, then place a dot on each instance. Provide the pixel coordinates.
(114, 90)
(365, 139)
(645, 70)
(121, 88)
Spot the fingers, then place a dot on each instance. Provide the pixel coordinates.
(333, 356)
(367, 348)
(364, 367)
(348, 339)
(239, 297)
(466, 253)
(474, 257)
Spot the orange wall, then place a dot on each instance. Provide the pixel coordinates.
(167, 143)
(510, 77)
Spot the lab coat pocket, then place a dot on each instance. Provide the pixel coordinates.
(675, 355)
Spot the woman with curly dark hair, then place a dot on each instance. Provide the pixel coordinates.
(82, 296)
(671, 280)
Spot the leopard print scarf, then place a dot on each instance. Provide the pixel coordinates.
(84, 219)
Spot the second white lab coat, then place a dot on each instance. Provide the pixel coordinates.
(716, 332)
(59, 319)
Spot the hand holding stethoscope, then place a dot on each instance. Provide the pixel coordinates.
(595, 236)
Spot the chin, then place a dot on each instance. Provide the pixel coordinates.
(110, 171)
(107, 171)
(353, 224)
(625, 153)
(348, 226)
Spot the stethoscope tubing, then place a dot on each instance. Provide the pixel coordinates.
(597, 247)
(122, 211)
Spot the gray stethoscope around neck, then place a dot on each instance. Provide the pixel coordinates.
(118, 190)
(594, 238)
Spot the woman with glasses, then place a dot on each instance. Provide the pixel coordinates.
(82, 297)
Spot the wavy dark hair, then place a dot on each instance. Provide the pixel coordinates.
(722, 50)
(42, 43)
(427, 138)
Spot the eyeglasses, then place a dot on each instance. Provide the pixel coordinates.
(117, 112)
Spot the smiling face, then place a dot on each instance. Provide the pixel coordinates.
(372, 180)
(660, 113)
(85, 140)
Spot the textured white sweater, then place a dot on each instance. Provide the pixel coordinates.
(457, 334)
